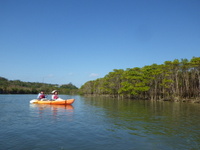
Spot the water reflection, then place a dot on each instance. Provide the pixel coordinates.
(54, 111)
(169, 122)
(98, 123)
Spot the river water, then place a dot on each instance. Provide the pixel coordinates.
(98, 123)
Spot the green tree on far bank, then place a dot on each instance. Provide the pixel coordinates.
(177, 79)
(20, 87)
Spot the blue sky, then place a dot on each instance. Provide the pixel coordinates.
(63, 41)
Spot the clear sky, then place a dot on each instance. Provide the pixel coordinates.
(63, 41)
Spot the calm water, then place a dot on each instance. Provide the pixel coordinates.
(98, 123)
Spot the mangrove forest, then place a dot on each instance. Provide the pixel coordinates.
(172, 80)
(20, 87)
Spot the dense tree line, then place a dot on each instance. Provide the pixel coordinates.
(20, 87)
(173, 80)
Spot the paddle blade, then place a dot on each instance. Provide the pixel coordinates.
(33, 101)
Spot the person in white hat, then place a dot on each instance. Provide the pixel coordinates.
(55, 95)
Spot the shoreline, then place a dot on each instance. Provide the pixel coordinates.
(175, 99)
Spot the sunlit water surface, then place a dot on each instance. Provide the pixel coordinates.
(97, 124)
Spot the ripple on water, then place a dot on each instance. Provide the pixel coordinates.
(97, 124)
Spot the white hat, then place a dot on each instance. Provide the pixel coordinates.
(54, 91)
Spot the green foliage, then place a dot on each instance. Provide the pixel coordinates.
(20, 87)
(133, 82)
(68, 86)
(171, 79)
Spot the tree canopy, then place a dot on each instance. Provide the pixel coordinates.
(171, 80)
(20, 87)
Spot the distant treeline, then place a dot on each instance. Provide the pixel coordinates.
(20, 87)
(173, 80)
